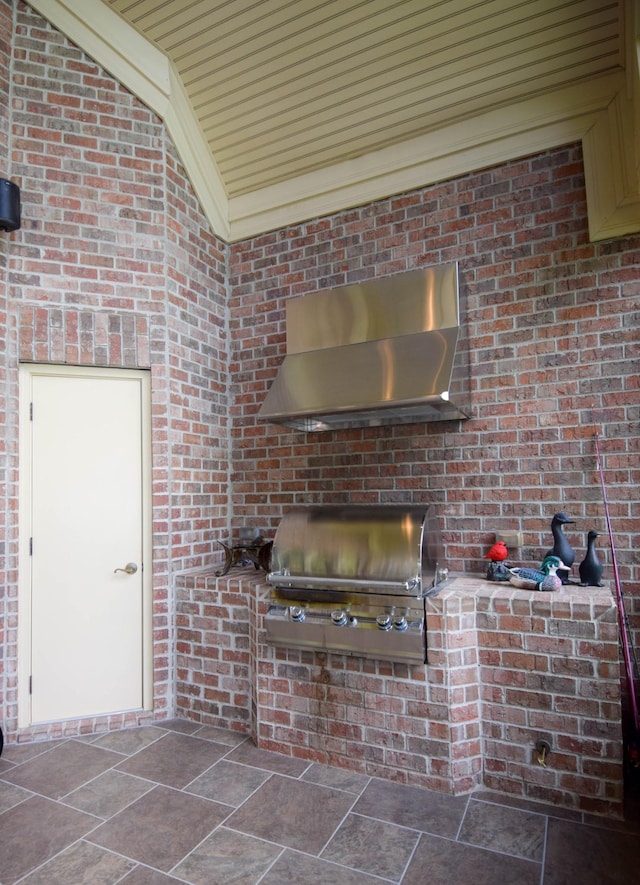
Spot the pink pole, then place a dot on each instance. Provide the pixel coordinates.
(626, 650)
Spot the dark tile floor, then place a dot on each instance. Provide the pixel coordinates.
(178, 802)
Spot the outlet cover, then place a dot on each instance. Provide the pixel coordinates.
(511, 539)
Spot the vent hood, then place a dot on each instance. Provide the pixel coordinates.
(388, 351)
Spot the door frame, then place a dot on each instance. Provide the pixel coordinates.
(27, 371)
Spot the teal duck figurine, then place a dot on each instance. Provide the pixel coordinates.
(590, 569)
(545, 578)
(561, 546)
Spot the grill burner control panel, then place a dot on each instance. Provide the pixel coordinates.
(392, 620)
(389, 630)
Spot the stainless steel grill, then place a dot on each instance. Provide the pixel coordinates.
(354, 579)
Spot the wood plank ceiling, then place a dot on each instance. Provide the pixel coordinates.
(282, 88)
(287, 110)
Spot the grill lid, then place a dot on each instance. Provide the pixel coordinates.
(363, 548)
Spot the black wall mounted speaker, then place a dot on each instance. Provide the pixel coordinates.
(9, 205)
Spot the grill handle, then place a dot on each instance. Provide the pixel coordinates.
(280, 579)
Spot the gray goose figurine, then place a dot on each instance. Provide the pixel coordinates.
(561, 546)
(591, 568)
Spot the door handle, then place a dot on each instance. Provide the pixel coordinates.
(130, 568)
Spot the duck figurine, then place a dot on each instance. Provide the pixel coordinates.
(562, 549)
(545, 578)
(590, 569)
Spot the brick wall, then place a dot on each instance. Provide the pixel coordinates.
(552, 322)
(215, 655)
(506, 668)
(114, 265)
(553, 331)
(549, 669)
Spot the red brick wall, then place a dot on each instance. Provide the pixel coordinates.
(553, 327)
(549, 669)
(114, 265)
(506, 668)
(215, 670)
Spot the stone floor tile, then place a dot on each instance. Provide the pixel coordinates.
(483, 795)
(184, 726)
(220, 735)
(146, 876)
(295, 868)
(108, 793)
(228, 858)
(340, 778)
(234, 813)
(174, 760)
(160, 828)
(412, 807)
(372, 846)
(249, 754)
(63, 769)
(5, 766)
(292, 813)
(590, 855)
(129, 740)
(439, 861)
(504, 829)
(19, 753)
(228, 782)
(34, 831)
(11, 795)
(82, 864)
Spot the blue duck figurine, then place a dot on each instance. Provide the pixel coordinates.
(590, 568)
(561, 546)
(544, 578)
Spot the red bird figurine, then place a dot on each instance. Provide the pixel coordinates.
(498, 552)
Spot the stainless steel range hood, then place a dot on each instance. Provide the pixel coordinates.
(388, 351)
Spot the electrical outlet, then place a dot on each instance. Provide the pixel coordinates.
(513, 540)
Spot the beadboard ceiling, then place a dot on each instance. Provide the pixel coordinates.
(286, 87)
(285, 109)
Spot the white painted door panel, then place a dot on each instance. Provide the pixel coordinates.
(87, 521)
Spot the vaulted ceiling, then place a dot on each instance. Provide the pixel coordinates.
(283, 110)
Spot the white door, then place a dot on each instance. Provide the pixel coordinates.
(86, 490)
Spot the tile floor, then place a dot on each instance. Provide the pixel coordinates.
(179, 802)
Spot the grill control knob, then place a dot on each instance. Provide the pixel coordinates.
(297, 613)
(400, 623)
(384, 622)
(339, 617)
